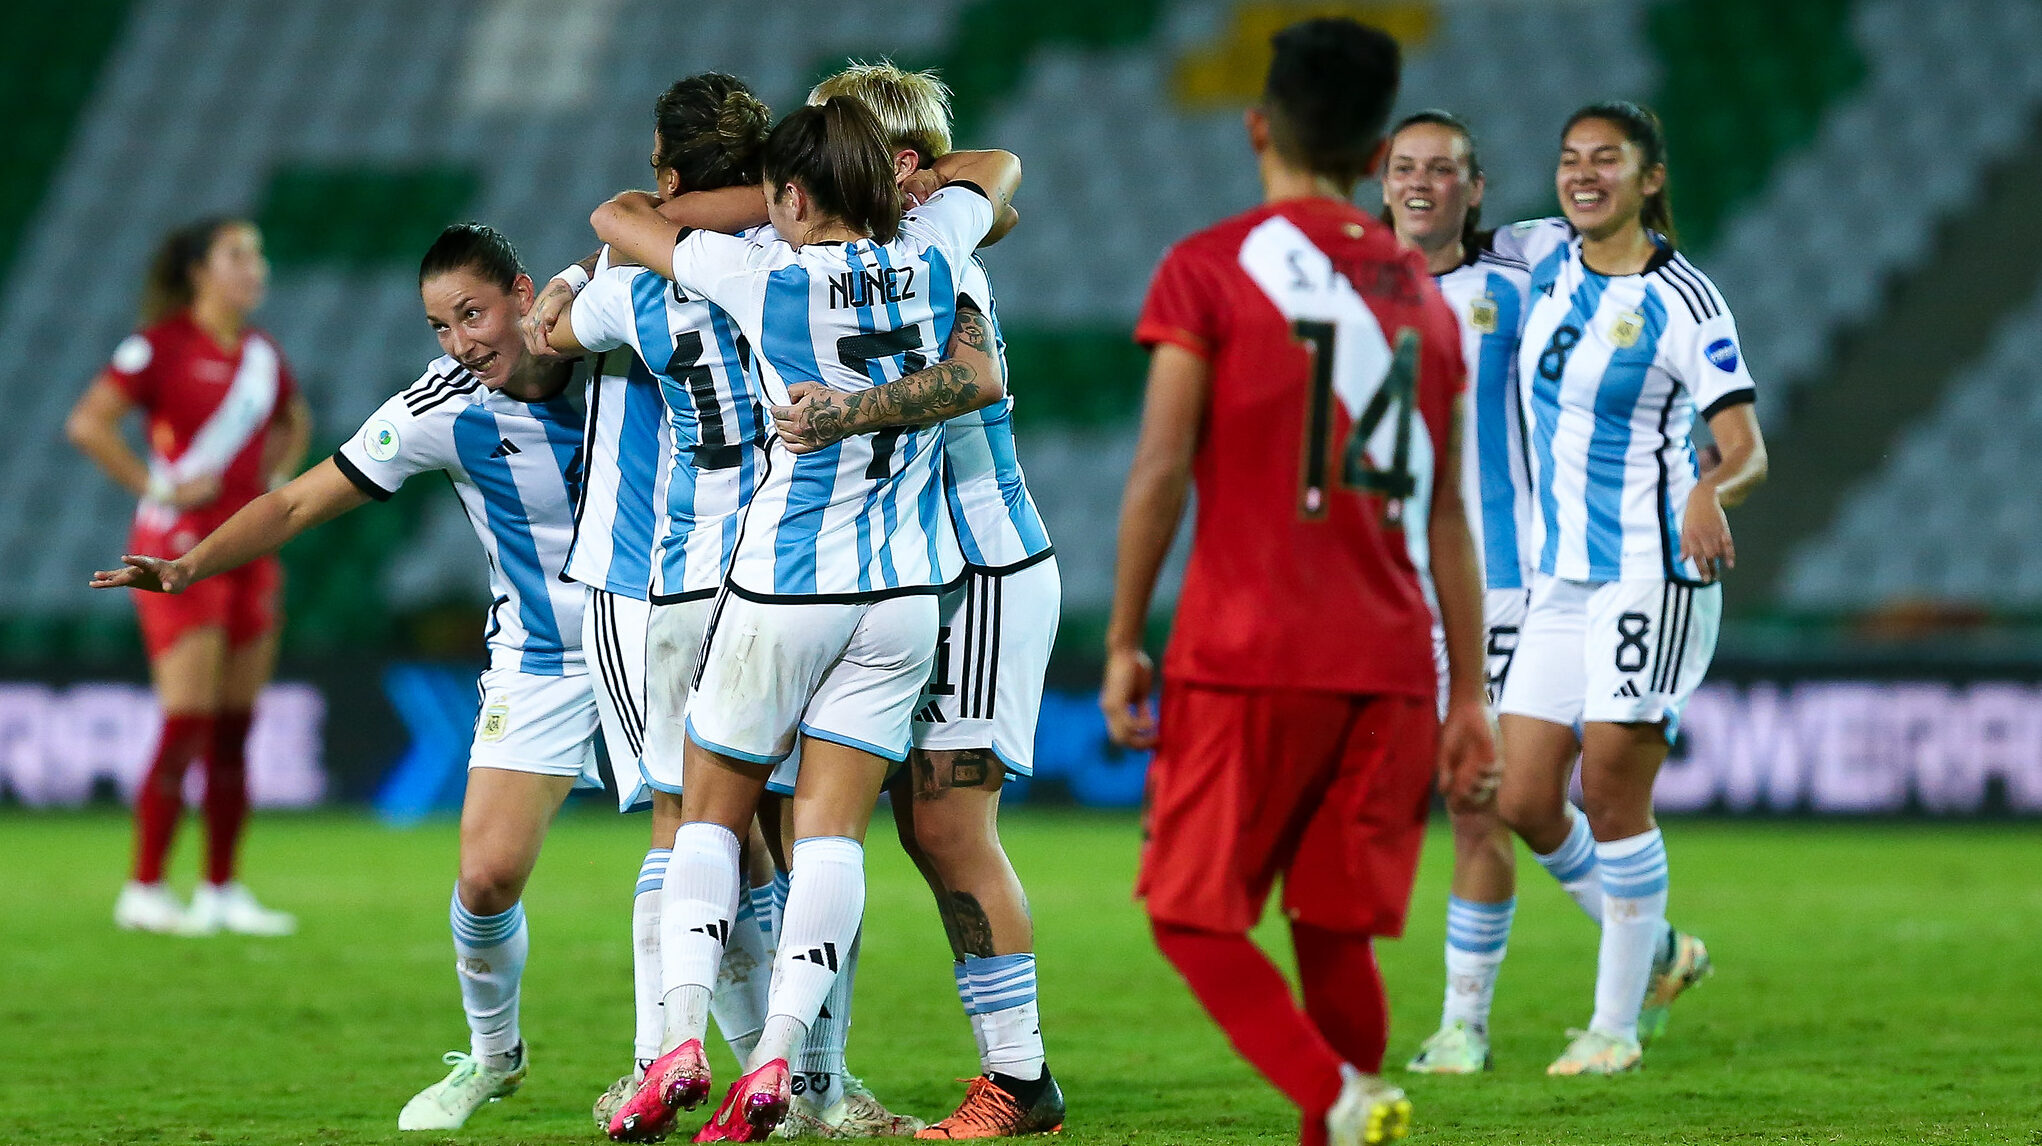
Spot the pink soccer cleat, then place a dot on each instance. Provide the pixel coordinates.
(755, 1105)
(676, 1080)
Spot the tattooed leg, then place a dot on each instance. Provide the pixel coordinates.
(946, 806)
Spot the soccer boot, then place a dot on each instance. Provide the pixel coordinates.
(469, 1087)
(148, 907)
(1687, 963)
(1368, 1112)
(676, 1080)
(755, 1105)
(856, 1113)
(990, 1110)
(609, 1102)
(1455, 1048)
(1593, 1052)
(232, 907)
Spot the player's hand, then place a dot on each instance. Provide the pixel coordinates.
(198, 491)
(1470, 766)
(537, 325)
(1705, 534)
(812, 420)
(1125, 698)
(916, 188)
(150, 574)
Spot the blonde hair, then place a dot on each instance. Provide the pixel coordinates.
(913, 108)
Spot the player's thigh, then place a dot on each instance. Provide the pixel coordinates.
(247, 670)
(838, 787)
(186, 672)
(866, 699)
(948, 802)
(1358, 854)
(673, 651)
(1619, 763)
(504, 817)
(1231, 785)
(1647, 646)
(762, 663)
(993, 646)
(1547, 678)
(614, 631)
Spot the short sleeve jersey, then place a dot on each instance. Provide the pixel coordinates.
(864, 518)
(1488, 296)
(208, 410)
(1615, 369)
(511, 464)
(695, 398)
(1335, 366)
(997, 523)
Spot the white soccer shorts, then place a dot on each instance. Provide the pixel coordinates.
(1617, 652)
(613, 626)
(992, 649)
(1502, 617)
(847, 673)
(540, 724)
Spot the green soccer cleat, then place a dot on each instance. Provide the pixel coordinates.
(1593, 1052)
(1686, 964)
(469, 1087)
(1369, 1112)
(1455, 1048)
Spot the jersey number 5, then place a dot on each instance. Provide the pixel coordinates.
(1395, 397)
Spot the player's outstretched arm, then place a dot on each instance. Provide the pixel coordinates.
(997, 173)
(1469, 766)
(971, 378)
(1158, 483)
(320, 494)
(1704, 530)
(642, 229)
(284, 450)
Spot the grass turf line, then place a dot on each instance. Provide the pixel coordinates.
(1874, 987)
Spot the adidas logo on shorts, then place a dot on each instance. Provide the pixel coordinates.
(1628, 691)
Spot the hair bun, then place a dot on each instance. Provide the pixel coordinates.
(742, 120)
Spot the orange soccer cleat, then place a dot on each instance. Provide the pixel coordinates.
(989, 1110)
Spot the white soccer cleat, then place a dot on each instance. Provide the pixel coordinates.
(856, 1113)
(469, 1087)
(1369, 1112)
(612, 1100)
(1455, 1048)
(1593, 1052)
(232, 907)
(148, 907)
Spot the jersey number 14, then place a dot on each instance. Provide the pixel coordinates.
(1395, 398)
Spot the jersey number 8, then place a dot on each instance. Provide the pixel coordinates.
(1395, 397)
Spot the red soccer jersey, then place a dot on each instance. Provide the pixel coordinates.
(181, 379)
(1335, 366)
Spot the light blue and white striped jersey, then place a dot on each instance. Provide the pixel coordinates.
(623, 478)
(712, 428)
(1489, 297)
(1615, 369)
(997, 523)
(863, 518)
(510, 462)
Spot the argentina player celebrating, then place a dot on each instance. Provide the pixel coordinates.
(1625, 342)
(825, 628)
(1432, 194)
(495, 420)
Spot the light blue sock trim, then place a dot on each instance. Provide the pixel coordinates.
(1478, 928)
(652, 873)
(1639, 874)
(1575, 859)
(474, 930)
(963, 985)
(999, 983)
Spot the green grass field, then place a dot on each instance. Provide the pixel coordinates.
(1875, 984)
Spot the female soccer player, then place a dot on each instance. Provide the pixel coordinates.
(1625, 342)
(1300, 325)
(1432, 194)
(826, 625)
(224, 423)
(494, 420)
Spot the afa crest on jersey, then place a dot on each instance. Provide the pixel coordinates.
(1482, 313)
(1624, 332)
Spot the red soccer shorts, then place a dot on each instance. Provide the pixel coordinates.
(1328, 790)
(243, 602)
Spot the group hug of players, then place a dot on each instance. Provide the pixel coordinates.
(784, 558)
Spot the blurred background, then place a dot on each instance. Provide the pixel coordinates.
(1859, 177)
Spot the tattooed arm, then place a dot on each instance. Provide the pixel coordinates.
(969, 379)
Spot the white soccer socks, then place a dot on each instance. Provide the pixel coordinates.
(1477, 935)
(1574, 866)
(825, 904)
(1633, 926)
(697, 907)
(821, 1064)
(999, 995)
(739, 1003)
(489, 957)
(645, 971)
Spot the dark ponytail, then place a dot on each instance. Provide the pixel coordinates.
(712, 131)
(838, 153)
(170, 286)
(1641, 126)
(1471, 226)
(476, 248)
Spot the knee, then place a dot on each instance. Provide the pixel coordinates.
(488, 886)
(1479, 833)
(1537, 817)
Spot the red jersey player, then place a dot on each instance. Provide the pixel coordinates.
(1307, 375)
(223, 421)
